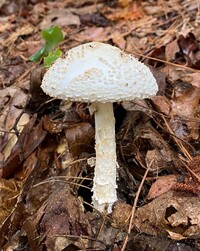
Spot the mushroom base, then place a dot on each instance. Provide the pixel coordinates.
(104, 186)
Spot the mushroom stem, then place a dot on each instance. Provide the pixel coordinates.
(104, 186)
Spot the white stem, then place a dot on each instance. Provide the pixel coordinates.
(104, 188)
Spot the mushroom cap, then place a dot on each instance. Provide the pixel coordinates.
(98, 72)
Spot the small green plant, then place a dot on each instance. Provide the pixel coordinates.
(53, 36)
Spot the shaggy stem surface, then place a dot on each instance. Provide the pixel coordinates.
(104, 188)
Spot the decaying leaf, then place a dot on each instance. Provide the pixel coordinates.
(171, 51)
(129, 11)
(27, 142)
(24, 30)
(162, 185)
(10, 226)
(64, 218)
(121, 214)
(162, 158)
(12, 137)
(12, 118)
(9, 190)
(193, 79)
(185, 111)
(162, 104)
(80, 138)
(188, 47)
(52, 127)
(172, 213)
(12, 102)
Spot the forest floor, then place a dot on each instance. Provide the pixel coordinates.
(45, 143)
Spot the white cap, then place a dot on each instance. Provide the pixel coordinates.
(98, 72)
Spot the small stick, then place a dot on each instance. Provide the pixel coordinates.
(134, 206)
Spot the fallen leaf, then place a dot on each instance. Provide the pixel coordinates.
(188, 45)
(62, 18)
(171, 50)
(163, 157)
(131, 11)
(64, 216)
(21, 31)
(80, 138)
(193, 79)
(53, 127)
(185, 111)
(28, 141)
(162, 185)
(91, 19)
(100, 34)
(12, 103)
(12, 137)
(162, 104)
(9, 190)
(121, 214)
(10, 226)
(172, 212)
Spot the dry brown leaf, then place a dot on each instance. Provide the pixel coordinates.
(137, 105)
(52, 126)
(119, 40)
(12, 137)
(121, 214)
(62, 18)
(12, 103)
(162, 104)
(185, 111)
(171, 51)
(162, 156)
(123, 3)
(188, 47)
(162, 185)
(193, 79)
(28, 141)
(64, 217)
(172, 212)
(9, 228)
(80, 138)
(4, 27)
(132, 11)
(21, 31)
(91, 19)
(181, 51)
(9, 190)
(100, 34)
(173, 72)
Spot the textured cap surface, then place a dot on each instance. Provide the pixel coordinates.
(98, 72)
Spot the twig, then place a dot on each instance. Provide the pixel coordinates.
(134, 206)
(164, 61)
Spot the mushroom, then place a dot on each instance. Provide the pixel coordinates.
(100, 74)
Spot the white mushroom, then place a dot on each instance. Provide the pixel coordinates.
(100, 74)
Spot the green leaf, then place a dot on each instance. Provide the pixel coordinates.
(48, 61)
(39, 54)
(53, 36)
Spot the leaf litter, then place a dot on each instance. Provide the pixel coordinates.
(46, 180)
